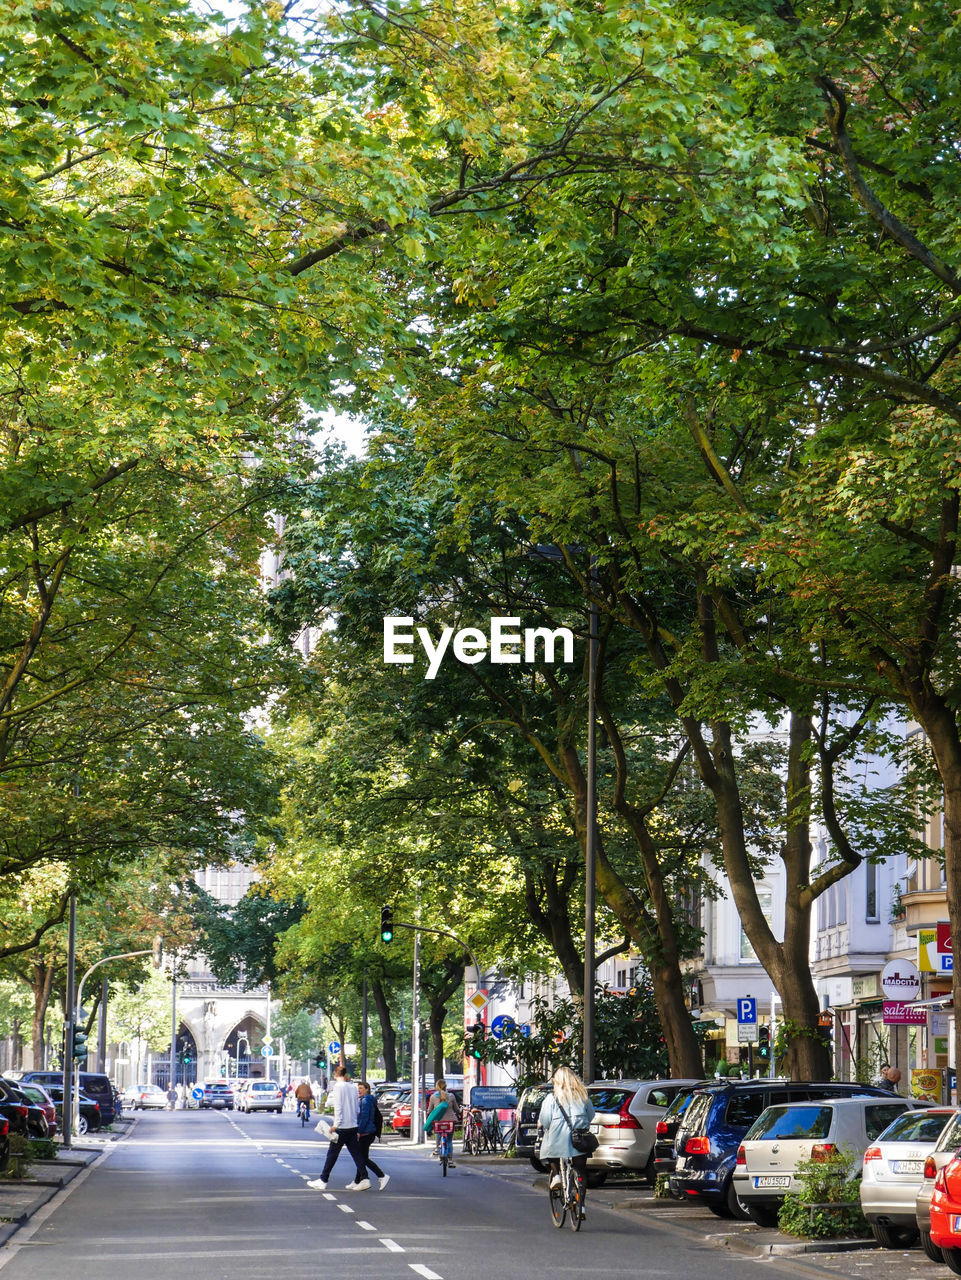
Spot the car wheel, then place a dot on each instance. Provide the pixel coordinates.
(539, 1165)
(82, 1125)
(763, 1215)
(596, 1178)
(890, 1236)
(952, 1259)
(932, 1250)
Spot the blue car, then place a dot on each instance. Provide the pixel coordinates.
(714, 1124)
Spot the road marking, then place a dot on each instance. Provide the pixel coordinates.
(329, 1195)
(424, 1271)
(366, 1226)
(392, 1246)
(345, 1208)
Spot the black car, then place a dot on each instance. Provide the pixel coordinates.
(664, 1159)
(528, 1109)
(715, 1122)
(94, 1084)
(22, 1113)
(89, 1118)
(4, 1144)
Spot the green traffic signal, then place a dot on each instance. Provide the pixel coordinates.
(764, 1042)
(387, 924)
(79, 1042)
(320, 1061)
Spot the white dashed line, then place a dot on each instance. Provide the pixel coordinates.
(345, 1208)
(366, 1226)
(329, 1195)
(424, 1271)
(393, 1247)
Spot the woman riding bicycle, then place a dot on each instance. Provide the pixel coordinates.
(570, 1096)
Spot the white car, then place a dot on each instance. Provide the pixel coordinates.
(260, 1095)
(625, 1125)
(892, 1173)
(784, 1136)
(145, 1097)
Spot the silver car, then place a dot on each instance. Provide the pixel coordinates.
(945, 1150)
(893, 1170)
(260, 1095)
(784, 1136)
(626, 1124)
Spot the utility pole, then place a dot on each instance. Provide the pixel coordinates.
(416, 1118)
(68, 1028)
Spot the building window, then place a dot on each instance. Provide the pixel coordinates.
(871, 892)
(766, 902)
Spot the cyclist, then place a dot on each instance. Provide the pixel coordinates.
(304, 1095)
(569, 1095)
(441, 1105)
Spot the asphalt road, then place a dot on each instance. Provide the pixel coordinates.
(221, 1196)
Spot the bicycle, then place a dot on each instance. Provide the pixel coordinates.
(303, 1110)
(568, 1198)
(445, 1143)
(472, 1140)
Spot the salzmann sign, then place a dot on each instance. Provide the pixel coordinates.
(505, 643)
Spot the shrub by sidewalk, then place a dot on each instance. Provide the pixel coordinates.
(827, 1206)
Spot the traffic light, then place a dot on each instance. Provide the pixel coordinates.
(764, 1043)
(474, 1041)
(79, 1042)
(387, 924)
(320, 1061)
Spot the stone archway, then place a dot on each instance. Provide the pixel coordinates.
(242, 1047)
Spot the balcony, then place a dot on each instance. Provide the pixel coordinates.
(923, 908)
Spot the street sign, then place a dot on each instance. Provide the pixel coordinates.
(334, 1046)
(502, 1026)
(559, 1037)
(197, 1093)
(267, 1051)
(747, 1033)
(268, 1039)
(493, 1097)
(525, 1030)
(478, 1000)
(900, 980)
(943, 932)
(747, 1010)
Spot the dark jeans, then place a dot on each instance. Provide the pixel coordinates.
(364, 1141)
(345, 1138)
(303, 1102)
(580, 1168)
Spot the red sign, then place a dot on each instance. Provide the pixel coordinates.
(944, 937)
(897, 1013)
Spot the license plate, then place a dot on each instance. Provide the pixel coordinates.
(770, 1180)
(595, 1128)
(907, 1166)
(957, 1223)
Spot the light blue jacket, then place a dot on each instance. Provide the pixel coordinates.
(556, 1141)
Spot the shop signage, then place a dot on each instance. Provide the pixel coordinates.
(934, 950)
(897, 1013)
(901, 980)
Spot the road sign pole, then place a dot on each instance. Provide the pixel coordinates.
(416, 1119)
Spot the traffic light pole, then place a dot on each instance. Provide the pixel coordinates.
(66, 1116)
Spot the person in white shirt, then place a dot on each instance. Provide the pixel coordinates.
(343, 1133)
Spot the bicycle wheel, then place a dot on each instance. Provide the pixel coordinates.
(558, 1206)
(575, 1203)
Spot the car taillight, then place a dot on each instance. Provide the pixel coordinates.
(930, 1168)
(741, 1157)
(661, 1129)
(697, 1147)
(96, 1106)
(23, 1111)
(823, 1150)
(872, 1153)
(624, 1118)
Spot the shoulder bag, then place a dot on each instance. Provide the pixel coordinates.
(582, 1140)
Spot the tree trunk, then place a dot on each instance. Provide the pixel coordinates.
(548, 908)
(438, 1015)
(387, 1034)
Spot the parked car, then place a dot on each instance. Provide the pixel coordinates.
(943, 1152)
(39, 1096)
(261, 1095)
(627, 1112)
(946, 1214)
(526, 1113)
(391, 1100)
(784, 1137)
(892, 1171)
(218, 1096)
(400, 1114)
(93, 1083)
(146, 1097)
(89, 1119)
(714, 1124)
(666, 1129)
(25, 1117)
(4, 1144)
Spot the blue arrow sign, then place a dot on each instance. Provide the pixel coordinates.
(197, 1093)
(747, 1009)
(502, 1026)
(334, 1046)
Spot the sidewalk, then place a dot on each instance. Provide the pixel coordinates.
(21, 1198)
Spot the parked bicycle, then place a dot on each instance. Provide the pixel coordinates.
(567, 1199)
(445, 1143)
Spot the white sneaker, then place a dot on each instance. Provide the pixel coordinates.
(555, 1182)
(358, 1186)
(318, 1184)
(382, 1186)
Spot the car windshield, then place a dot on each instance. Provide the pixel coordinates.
(792, 1122)
(607, 1099)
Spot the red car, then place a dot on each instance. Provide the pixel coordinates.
(400, 1120)
(946, 1214)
